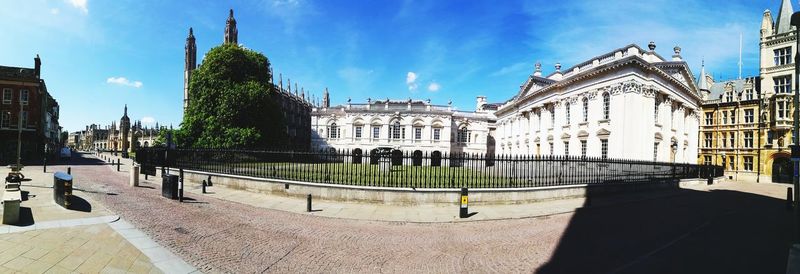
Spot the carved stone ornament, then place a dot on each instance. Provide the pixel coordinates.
(649, 91)
(632, 87)
(616, 89)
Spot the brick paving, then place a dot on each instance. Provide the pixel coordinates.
(223, 236)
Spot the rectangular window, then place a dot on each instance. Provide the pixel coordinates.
(552, 117)
(749, 118)
(724, 138)
(655, 151)
(731, 163)
(333, 131)
(709, 139)
(583, 148)
(23, 96)
(724, 117)
(376, 133)
(604, 149)
(709, 118)
(24, 119)
(551, 148)
(783, 56)
(706, 160)
(781, 110)
(6, 121)
(748, 94)
(437, 134)
(566, 147)
(463, 135)
(7, 96)
(417, 133)
(733, 117)
(358, 132)
(733, 139)
(567, 112)
(748, 139)
(748, 163)
(783, 84)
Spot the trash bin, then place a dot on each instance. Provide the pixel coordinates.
(169, 186)
(62, 189)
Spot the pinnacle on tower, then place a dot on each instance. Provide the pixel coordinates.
(231, 33)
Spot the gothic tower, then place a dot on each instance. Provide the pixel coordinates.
(231, 34)
(326, 99)
(191, 64)
(125, 127)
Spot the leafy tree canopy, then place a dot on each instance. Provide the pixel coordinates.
(230, 103)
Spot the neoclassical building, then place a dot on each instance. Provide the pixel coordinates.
(406, 125)
(629, 103)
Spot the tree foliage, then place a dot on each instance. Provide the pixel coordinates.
(230, 103)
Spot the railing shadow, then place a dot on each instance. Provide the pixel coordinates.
(689, 231)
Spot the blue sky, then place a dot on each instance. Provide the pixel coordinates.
(99, 55)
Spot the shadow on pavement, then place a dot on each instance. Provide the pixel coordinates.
(721, 231)
(79, 204)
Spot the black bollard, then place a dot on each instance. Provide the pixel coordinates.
(45, 164)
(209, 181)
(789, 200)
(180, 185)
(308, 203)
(69, 170)
(117, 164)
(710, 180)
(464, 209)
(204, 186)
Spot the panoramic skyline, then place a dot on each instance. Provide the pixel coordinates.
(132, 53)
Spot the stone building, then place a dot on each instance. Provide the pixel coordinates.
(123, 138)
(731, 130)
(629, 103)
(25, 96)
(295, 108)
(777, 48)
(405, 125)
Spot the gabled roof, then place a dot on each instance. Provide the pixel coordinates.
(784, 17)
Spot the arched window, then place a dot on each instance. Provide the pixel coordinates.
(606, 105)
(655, 108)
(585, 109)
(463, 135)
(566, 107)
(333, 131)
(396, 131)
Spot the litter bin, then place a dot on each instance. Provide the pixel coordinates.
(169, 186)
(62, 189)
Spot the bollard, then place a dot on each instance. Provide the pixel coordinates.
(464, 210)
(134, 176)
(710, 180)
(117, 164)
(308, 203)
(45, 164)
(789, 200)
(204, 186)
(69, 170)
(180, 185)
(209, 181)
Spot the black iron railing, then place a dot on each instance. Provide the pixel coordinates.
(394, 168)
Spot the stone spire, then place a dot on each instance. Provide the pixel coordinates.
(191, 64)
(231, 33)
(326, 99)
(784, 17)
(766, 24)
(702, 84)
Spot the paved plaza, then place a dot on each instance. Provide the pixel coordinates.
(728, 227)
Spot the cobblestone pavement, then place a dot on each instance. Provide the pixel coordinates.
(223, 236)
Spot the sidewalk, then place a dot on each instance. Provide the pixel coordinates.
(88, 238)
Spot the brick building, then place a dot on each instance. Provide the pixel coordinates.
(23, 89)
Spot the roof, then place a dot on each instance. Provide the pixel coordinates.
(784, 17)
(17, 73)
(718, 89)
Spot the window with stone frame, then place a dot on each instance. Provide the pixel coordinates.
(655, 109)
(655, 151)
(552, 117)
(709, 118)
(585, 109)
(781, 109)
(708, 139)
(463, 135)
(707, 160)
(376, 132)
(783, 84)
(724, 138)
(7, 96)
(724, 117)
(417, 133)
(583, 148)
(437, 133)
(731, 163)
(606, 105)
(395, 130)
(732, 136)
(357, 132)
(551, 148)
(566, 147)
(566, 111)
(748, 163)
(748, 94)
(333, 131)
(782, 56)
(23, 96)
(748, 139)
(749, 116)
(24, 119)
(733, 116)
(604, 148)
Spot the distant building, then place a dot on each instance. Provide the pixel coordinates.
(296, 108)
(405, 125)
(24, 89)
(629, 103)
(126, 137)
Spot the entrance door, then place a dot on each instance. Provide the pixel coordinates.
(782, 170)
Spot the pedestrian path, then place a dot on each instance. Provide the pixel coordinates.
(88, 238)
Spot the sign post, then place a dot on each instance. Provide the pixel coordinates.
(464, 210)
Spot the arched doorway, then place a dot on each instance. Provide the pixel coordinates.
(782, 170)
(357, 153)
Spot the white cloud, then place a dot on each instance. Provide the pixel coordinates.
(80, 4)
(411, 80)
(514, 68)
(434, 87)
(54, 11)
(148, 120)
(123, 82)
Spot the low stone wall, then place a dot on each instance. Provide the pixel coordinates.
(410, 196)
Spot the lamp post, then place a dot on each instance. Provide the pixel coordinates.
(19, 137)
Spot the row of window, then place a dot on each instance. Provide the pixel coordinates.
(603, 148)
(725, 136)
(749, 117)
(730, 163)
(8, 96)
(398, 132)
(5, 119)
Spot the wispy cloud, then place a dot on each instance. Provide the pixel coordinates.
(82, 5)
(290, 12)
(514, 68)
(411, 81)
(122, 81)
(434, 87)
(148, 120)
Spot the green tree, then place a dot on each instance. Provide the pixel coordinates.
(230, 103)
